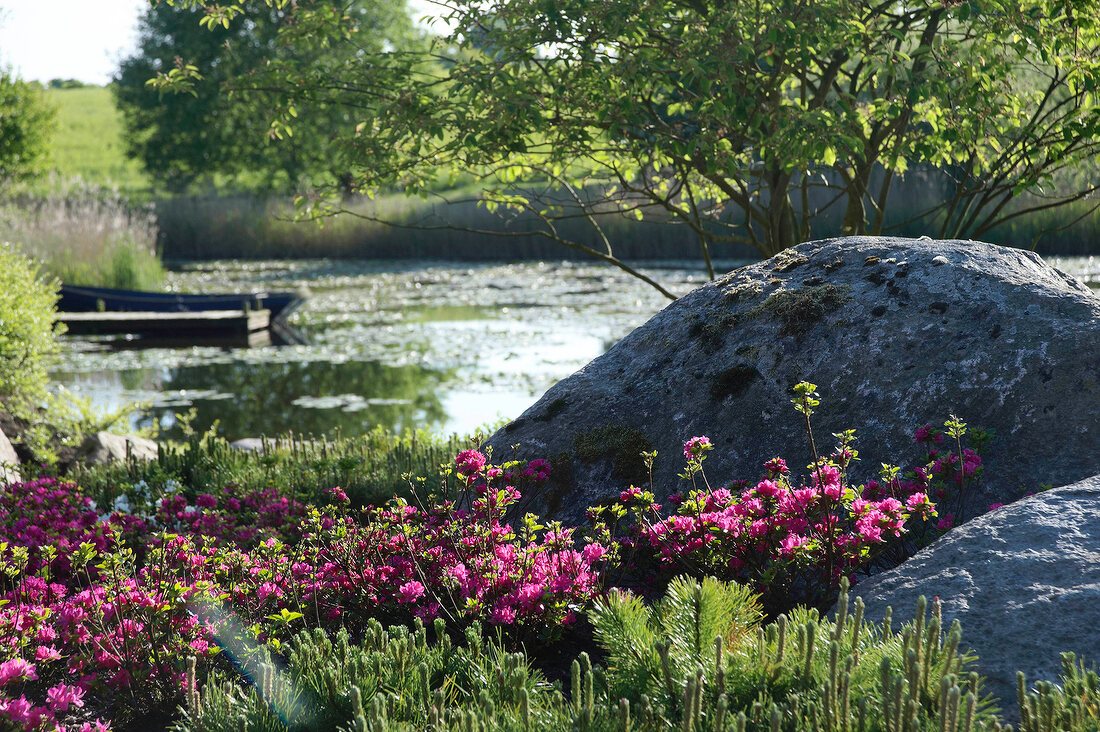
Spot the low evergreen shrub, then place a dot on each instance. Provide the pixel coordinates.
(800, 673)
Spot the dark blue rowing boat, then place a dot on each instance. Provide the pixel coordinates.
(78, 299)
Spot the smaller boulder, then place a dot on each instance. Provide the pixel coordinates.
(9, 461)
(105, 447)
(248, 444)
(1023, 580)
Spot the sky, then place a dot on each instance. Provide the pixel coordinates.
(76, 39)
(67, 39)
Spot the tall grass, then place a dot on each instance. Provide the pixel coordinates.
(252, 227)
(85, 235)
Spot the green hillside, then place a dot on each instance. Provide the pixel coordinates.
(88, 142)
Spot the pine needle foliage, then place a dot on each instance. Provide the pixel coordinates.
(667, 644)
(801, 673)
(1075, 705)
(394, 680)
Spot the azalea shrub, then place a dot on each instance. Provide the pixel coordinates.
(114, 614)
(469, 563)
(401, 561)
(42, 523)
(102, 628)
(791, 541)
(241, 518)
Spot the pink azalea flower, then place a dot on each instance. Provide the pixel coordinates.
(767, 488)
(17, 668)
(410, 592)
(594, 552)
(470, 462)
(696, 446)
(792, 543)
(62, 696)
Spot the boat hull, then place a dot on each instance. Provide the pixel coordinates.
(75, 299)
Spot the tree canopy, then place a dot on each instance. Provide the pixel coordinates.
(26, 126)
(747, 122)
(223, 125)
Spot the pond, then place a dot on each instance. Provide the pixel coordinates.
(446, 346)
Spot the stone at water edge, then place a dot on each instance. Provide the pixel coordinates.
(8, 461)
(896, 333)
(105, 447)
(1023, 581)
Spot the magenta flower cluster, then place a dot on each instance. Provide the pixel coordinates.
(401, 561)
(43, 522)
(244, 519)
(60, 698)
(791, 542)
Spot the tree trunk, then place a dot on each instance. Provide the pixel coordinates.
(855, 214)
(781, 231)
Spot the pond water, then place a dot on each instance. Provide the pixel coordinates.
(399, 344)
(452, 347)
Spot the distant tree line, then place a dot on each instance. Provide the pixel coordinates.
(221, 130)
(68, 84)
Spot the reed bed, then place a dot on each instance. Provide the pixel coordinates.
(253, 227)
(85, 234)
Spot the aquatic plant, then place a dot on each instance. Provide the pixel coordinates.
(84, 234)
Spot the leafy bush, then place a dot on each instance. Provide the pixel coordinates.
(26, 126)
(27, 327)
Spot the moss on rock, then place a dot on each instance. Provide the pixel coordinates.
(799, 309)
(623, 446)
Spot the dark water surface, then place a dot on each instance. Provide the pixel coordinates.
(398, 344)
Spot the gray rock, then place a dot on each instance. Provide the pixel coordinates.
(261, 445)
(9, 461)
(105, 447)
(1024, 582)
(896, 333)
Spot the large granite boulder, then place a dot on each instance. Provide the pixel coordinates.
(896, 333)
(1024, 582)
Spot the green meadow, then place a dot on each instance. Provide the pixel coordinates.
(88, 142)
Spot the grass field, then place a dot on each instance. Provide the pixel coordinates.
(88, 142)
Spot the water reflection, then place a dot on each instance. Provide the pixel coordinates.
(251, 399)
